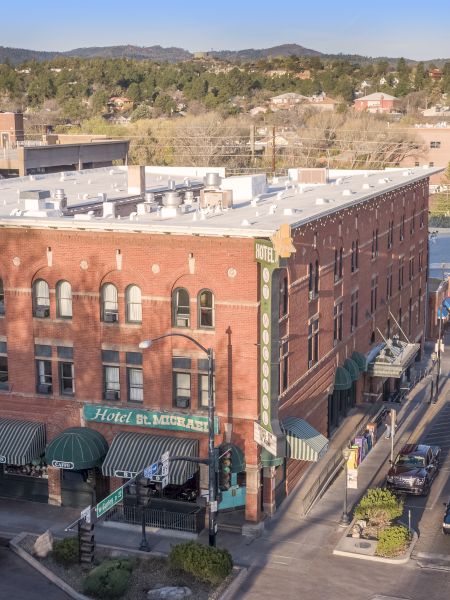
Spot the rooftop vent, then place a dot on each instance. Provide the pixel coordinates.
(366, 186)
(212, 180)
(34, 199)
(320, 201)
(172, 199)
(347, 193)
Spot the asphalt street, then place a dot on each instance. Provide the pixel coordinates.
(21, 582)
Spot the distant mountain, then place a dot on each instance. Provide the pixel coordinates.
(156, 53)
(20, 55)
(252, 54)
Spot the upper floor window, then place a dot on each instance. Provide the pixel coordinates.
(402, 229)
(284, 296)
(435, 145)
(338, 263)
(313, 342)
(354, 259)
(181, 311)
(374, 243)
(390, 236)
(206, 309)
(2, 298)
(313, 279)
(64, 300)
(3, 366)
(41, 299)
(133, 300)
(110, 304)
(337, 322)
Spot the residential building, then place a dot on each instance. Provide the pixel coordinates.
(377, 102)
(11, 129)
(287, 101)
(433, 148)
(284, 281)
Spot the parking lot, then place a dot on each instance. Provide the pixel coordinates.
(433, 548)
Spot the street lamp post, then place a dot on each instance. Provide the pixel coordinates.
(439, 352)
(211, 462)
(345, 521)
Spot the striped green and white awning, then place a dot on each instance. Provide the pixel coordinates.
(21, 441)
(131, 452)
(303, 441)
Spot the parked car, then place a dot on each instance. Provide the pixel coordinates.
(414, 469)
(446, 519)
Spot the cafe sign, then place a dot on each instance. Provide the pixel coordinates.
(147, 418)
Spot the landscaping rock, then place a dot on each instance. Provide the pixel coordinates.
(169, 593)
(356, 531)
(43, 544)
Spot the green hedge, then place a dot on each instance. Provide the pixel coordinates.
(109, 580)
(65, 552)
(393, 541)
(207, 564)
(379, 506)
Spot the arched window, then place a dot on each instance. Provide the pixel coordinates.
(64, 300)
(41, 299)
(133, 299)
(206, 309)
(181, 312)
(316, 278)
(2, 298)
(110, 305)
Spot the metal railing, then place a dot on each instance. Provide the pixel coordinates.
(193, 521)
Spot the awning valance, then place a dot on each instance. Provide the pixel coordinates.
(76, 449)
(303, 441)
(269, 460)
(131, 452)
(360, 360)
(352, 368)
(342, 379)
(392, 358)
(237, 457)
(21, 441)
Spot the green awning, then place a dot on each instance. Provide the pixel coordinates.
(131, 452)
(360, 360)
(352, 368)
(303, 441)
(342, 379)
(237, 457)
(21, 441)
(269, 460)
(77, 448)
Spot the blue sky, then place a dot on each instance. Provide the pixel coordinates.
(418, 30)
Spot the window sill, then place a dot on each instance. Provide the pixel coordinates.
(338, 280)
(312, 296)
(283, 318)
(355, 271)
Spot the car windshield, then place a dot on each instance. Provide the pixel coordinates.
(410, 460)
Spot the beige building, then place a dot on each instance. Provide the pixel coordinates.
(434, 150)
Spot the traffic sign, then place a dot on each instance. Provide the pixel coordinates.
(110, 501)
(164, 482)
(165, 464)
(86, 514)
(151, 470)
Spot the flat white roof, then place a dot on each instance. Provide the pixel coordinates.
(284, 201)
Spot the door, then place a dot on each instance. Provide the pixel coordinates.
(77, 488)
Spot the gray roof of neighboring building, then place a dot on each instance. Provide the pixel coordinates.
(378, 96)
(284, 201)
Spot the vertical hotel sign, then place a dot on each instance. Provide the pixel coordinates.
(269, 254)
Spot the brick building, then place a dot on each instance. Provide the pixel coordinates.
(311, 296)
(11, 129)
(377, 102)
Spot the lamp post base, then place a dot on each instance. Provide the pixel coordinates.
(344, 520)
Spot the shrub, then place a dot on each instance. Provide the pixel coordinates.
(65, 552)
(207, 564)
(379, 506)
(393, 541)
(109, 580)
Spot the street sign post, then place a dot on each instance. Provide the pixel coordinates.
(109, 502)
(165, 463)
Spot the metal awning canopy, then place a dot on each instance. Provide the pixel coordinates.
(77, 448)
(21, 441)
(131, 452)
(303, 441)
(391, 359)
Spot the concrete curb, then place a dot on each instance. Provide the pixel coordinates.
(230, 592)
(14, 545)
(392, 561)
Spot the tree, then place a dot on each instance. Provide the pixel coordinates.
(419, 76)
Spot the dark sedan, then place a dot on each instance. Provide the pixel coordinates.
(414, 469)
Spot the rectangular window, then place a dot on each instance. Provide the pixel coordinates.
(111, 383)
(4, 373)
(402, 229)
(284, 356)
(40, 350)
(66, 378)
(373, 294)
(133, 358)
(420, 257)
(390, 235)
(389, 289)
(284, 293)
(410, 316)
(44, 377)
(354, 310)
(337, 322)
(181, 389)
(419, 306)
(421, 221)
(110, 356)
(411, 268)
(313, 342)
(135, 382)
(202, 365)
(435, 145)
(65, 352)
(2, 298)
(400, 273)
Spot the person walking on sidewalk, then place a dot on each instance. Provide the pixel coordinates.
(387, 421)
